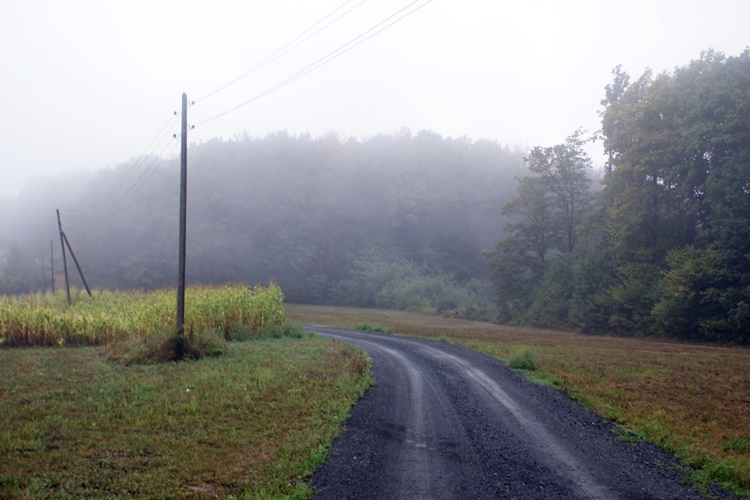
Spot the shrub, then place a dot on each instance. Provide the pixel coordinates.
(367, 327)
(379, 280)
(523, 359)
(165, 346)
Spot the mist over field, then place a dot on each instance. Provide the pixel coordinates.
(298, 210)
(654, 243)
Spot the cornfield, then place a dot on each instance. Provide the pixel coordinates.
(48, 320)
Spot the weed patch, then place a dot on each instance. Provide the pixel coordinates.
(163, 347)
(290, 330)
(523, 359)
(367, 327)
(626, 436)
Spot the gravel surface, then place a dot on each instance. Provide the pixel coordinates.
(444, 421)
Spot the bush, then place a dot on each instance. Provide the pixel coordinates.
(367, 327)
(523, 359)
(164, 346)
(378, 280)
(369, 274)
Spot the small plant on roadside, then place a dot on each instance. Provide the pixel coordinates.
(523, 359)
(367, 327)
(627, 436)
(290, 330)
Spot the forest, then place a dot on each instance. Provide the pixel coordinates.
(395, 220)
(663, 249)
(655, 243)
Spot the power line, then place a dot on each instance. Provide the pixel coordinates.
(148, 169)
(145, 176)
(341, 50)
(132, 170)
(286, 48)
(160, 137)
(148, 172)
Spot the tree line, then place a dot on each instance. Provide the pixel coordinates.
(324, 217)
(664, 248)
(660, 245)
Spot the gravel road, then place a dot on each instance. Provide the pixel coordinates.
(444, 421)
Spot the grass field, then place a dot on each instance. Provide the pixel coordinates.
(252, 423)
(692, 400)
(256, 421)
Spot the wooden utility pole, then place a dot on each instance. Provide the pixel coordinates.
(52, 267)
(78, 266)
(65, 259)
(44, 268)
(180, 326)
(63, 243)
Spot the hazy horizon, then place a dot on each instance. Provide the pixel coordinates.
(89, 85)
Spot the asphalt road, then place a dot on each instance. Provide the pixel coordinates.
(444, 421)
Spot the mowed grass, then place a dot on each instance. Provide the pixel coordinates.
(252, 423)
(692, 400)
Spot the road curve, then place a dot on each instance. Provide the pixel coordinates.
(444, 421)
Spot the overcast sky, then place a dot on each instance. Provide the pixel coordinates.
(87, 84)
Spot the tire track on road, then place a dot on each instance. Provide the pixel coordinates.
(444, 421)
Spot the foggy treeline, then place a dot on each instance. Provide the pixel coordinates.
(664, 249)
(460, 227)
(331, 219)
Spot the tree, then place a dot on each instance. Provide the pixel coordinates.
(548, 207)
(611, 118)
(17, 271)
(679, 199)
(562, 170)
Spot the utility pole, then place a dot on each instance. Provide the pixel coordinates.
(63, 242)
(52, 267)
(78, 266)
(44, 268)
(180, 326)
(65, 259)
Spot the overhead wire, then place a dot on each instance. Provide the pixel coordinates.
(148, 172)
(156, 142)
(148, 167)
(131, 171)
(286, 48)
(143, 158)
(148, 164)
(341, 50)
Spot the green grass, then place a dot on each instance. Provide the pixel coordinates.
(254, 422)
(367, 327)
(523, 359)
(692, 400)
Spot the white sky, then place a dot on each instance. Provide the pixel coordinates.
(86, 84)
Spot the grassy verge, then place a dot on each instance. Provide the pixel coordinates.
(254, 422)
(694, 401)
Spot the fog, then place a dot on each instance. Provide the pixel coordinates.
(88, 85)
(322, 134)
(298, 210)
